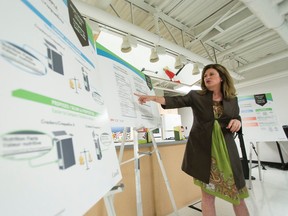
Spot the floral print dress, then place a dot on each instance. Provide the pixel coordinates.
(221, 182)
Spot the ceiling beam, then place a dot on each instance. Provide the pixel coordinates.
(263, 61)
(263, 79)
(220, 20)
(163, 16)
(246, 43)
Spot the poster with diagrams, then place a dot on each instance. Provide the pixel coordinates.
(122, 81)
(259, 118)
(57, 156)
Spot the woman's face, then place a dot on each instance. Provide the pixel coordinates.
(212, 79)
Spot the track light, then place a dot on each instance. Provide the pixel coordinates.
(195, 70)
(126, 46)
(154, 55)
(160, 50)
(128, 42)
(178, 63)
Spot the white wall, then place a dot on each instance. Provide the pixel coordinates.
(279, 89)
(186, 119)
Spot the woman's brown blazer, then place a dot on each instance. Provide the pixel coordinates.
(197, 156)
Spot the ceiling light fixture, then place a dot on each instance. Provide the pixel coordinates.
(178, 63)
(154, 55)
(155, 52)
(126, 46)
(128, 43)
(195, 70)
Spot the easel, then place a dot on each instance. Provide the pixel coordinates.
(250, 162)
(284, 166)
(252, 146)
(137, 155)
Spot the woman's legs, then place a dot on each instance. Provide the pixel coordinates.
(208, 204)
(241, 209)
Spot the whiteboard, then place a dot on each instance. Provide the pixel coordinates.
(122, 80)
(57, 156)
(259, 118)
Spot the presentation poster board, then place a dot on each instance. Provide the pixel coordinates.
(57, 156)
(122, 80)
(259, 118)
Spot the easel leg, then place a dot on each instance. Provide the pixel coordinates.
(137, 175)
(193, 207)
(109, 205)
(259, 162)
(258, 159)
(109, 199)
(164, 173)
(257, 150)
(284, 166)
(121, 152)
(250, 167)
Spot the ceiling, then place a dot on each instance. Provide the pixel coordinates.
(249, 37)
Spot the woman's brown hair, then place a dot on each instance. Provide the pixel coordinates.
(227, 85)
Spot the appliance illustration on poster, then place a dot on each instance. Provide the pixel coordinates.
(75, 84)
(55, 61)
(21, 58)
(97, 145)
(86, 79)
(65, 149)
(97, 97)
(106, 140)
(85, 158)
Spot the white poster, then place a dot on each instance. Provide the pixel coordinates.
(123, 80)
(259, 118)
(57, 156)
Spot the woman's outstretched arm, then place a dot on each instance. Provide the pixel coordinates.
(145, 98)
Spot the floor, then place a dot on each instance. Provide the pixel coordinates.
(268, 197)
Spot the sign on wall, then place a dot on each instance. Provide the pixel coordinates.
(259, 118)
(57, 156)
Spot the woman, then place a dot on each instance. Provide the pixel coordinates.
(211, 156)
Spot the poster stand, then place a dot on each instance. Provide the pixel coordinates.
(256, 150)
(136, 158)
(256, 153)
(250, 163)
(283, 166)
(109, 199)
